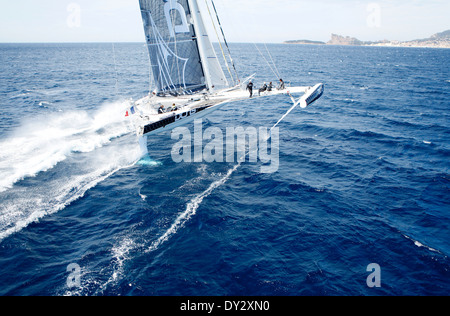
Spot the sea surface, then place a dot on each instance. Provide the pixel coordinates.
(363, 178)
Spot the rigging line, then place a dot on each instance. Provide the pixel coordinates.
(225, 40)
(274, 65)
(270, 66)
(271, 59)
(220, 43)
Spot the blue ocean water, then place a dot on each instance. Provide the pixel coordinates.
(363, 178)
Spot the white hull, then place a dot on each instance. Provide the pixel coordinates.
(149, 122)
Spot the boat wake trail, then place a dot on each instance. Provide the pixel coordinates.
(420, 245)
(191, 210)
(48, 164)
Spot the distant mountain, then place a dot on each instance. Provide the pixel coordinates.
(341, 40)
(443, 35)
(439, 40)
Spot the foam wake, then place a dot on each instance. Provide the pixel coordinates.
(47, 165)
(420, 245)
(42, 143)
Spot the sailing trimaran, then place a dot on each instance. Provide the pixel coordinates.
(189, 79)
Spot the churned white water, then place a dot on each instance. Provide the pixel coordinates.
(85, 148)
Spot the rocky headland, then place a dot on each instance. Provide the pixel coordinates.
(439, 40)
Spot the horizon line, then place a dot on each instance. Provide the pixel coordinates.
(122, 42)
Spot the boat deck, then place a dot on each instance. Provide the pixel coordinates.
(148, 120)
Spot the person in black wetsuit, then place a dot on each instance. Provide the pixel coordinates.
(161, 110)
(250, 88)
(270, 87)
(262, 89)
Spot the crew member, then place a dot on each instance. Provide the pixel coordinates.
(250, 88)
(161, 110)
(263, 88)
(282, 85)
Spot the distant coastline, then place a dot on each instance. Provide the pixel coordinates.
(439, 40)
(305, 42)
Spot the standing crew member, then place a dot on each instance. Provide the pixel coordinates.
(250, 88)
(282, 85)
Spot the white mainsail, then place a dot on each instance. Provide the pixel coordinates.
(215, 77)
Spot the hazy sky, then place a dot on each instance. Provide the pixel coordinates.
(243, 20)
